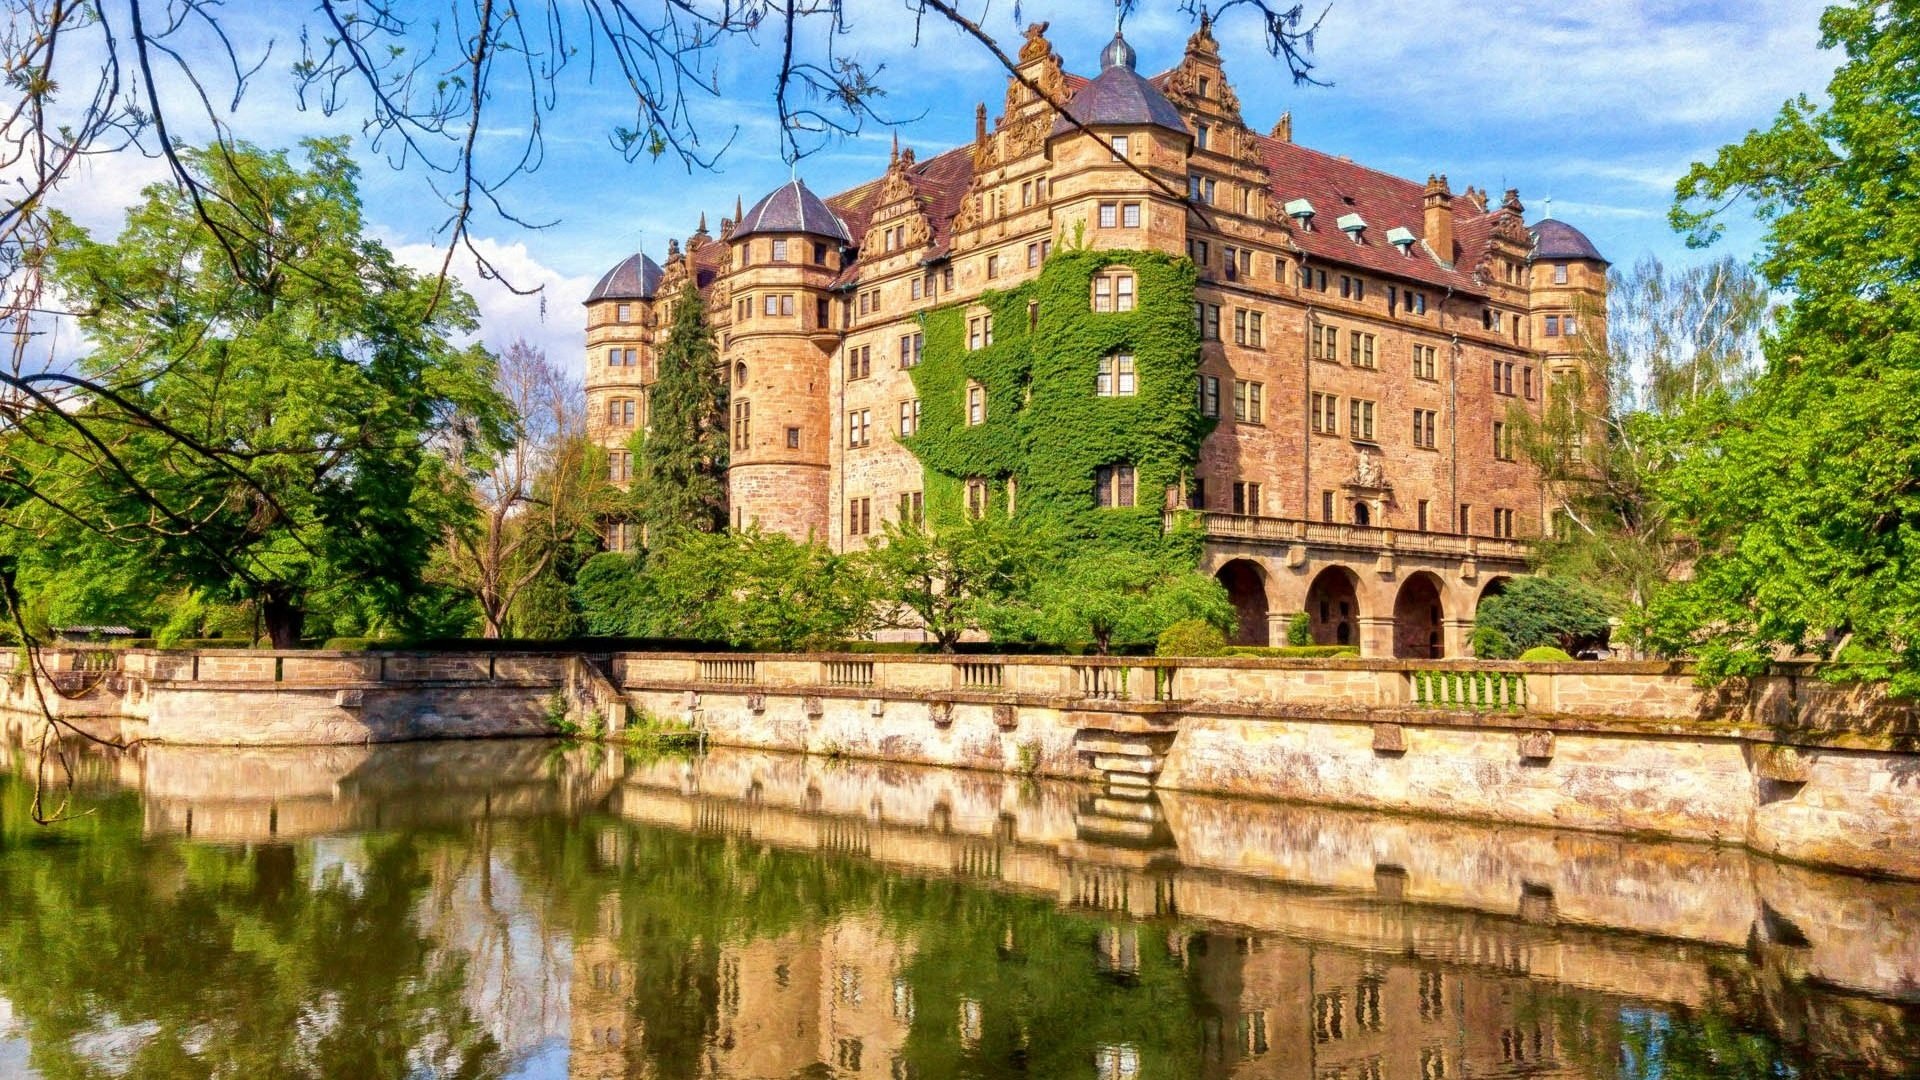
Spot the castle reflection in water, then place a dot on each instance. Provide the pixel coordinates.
(759, 915)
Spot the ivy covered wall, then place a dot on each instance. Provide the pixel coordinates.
(1046, 428)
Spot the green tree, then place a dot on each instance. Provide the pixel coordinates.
(1534, 611)
(680, 458)
(1113, 597)
(1802, 494)
(1612, 425)
(303, 372)
(947, 581)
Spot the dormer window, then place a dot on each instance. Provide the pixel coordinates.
(1113, 291)
(1354, 226)
(1401, 237)
(1301, 211)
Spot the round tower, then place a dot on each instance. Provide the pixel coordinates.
(1567, 283)
(786, 253)
(620, 362)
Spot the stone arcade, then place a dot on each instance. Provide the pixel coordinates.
(1365, 339)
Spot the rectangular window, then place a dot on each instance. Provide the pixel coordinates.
(993, 266)
(1230, 260)
(1208, 317)
(619, 466)
(1503, 523)
(773, 304)
(859, 427)
(1526, 383)
(1246, 327)
(623, 313)
(1503, 377)
(979, 332)
(1130, 215)
(1559, 273)
(1325, 410)
(1120, 147)
(1466, 519)
(912, 346)
(779, 251)
(742, 423)
(1360, 349)
(909, 416)
(913, 509)
(1553, 326)
(914, 288)
(1424, 428)
(820, 254)
(1113, 485)
(613, 357)
(1360, 419)
(1033, 256)
(859, 516)
(1115, 378)
(859, 362)
(1109, 215)
(793, 438)
(976, 497)
(1026, 193)
(976, 405)
(1425, 362)
(820, 316)
(1567, 327)
(1247, 405)
(1326, 506)
(1123, 293)
(1209, 396)
(1246, 497)
(1420, 515)
(1198, 252)
(1502, 441)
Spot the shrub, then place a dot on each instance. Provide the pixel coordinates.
(1300, 629)
(1534, 611)
(1293, 652)
(1490, 644)
(1191, 637)
(1545, 654)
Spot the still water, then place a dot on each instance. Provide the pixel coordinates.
(526, 909)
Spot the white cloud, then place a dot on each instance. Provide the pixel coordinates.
(546, 312)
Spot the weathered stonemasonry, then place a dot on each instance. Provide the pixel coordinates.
(1785, 764)
(1365, 340)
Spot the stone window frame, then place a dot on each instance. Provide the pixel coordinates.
(1117, 287)
(859, 428)
(1323, 411)
(976, 404)
(1246, 498)
(1117, 376)
(1361, 414)
(1249, 401)
(1207, 396)
(779, 253)
(1361, 351)
(1426, 427)
(1115, 486)
(909, 417)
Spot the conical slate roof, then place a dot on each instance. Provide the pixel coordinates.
(1120, 96)
(1555, 239)
(635, 278)
(792, 208)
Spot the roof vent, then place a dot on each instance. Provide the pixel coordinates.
(1353, 225)
(1301, 211)
(1401, 237)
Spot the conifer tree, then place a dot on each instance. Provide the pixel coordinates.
(680, 459)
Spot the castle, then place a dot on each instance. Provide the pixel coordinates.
(1363, 342)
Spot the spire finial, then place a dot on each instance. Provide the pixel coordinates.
(1119, 16)
(1546, 208)
(896, 146)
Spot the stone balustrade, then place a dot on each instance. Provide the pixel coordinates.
(1787, 763)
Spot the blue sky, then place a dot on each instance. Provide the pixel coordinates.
(1601, 105)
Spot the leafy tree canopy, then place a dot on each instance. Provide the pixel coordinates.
(1803, 493)
(680, 458)
(1531, 612)
(303, 373)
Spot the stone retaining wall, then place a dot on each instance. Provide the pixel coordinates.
(1785, 764)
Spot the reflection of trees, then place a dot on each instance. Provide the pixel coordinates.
(233, 961)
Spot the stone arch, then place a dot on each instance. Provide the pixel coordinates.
(1419, 618)
(1333, 606)
(1494, 586)
(1246, 585)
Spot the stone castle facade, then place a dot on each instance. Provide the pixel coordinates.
(1365, 340)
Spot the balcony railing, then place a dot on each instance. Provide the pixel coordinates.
(1373, 538)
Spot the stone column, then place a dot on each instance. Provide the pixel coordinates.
(1376, 636)
(1456, 635)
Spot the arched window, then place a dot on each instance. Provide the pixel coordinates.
(1113, 290)
(740, 373)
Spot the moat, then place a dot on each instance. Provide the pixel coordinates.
(534, 909)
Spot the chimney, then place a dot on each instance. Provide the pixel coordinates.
(1437, 229)
(1283, 128)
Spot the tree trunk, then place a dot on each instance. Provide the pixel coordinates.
(285, 619)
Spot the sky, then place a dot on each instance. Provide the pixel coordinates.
(1598, 106)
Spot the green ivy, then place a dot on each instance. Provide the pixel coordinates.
(1045, 427)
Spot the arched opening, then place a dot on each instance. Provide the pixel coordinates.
(1333, 607)
(1419, 621)
(1362, 513)
(1494, 587)
(1246, 586)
